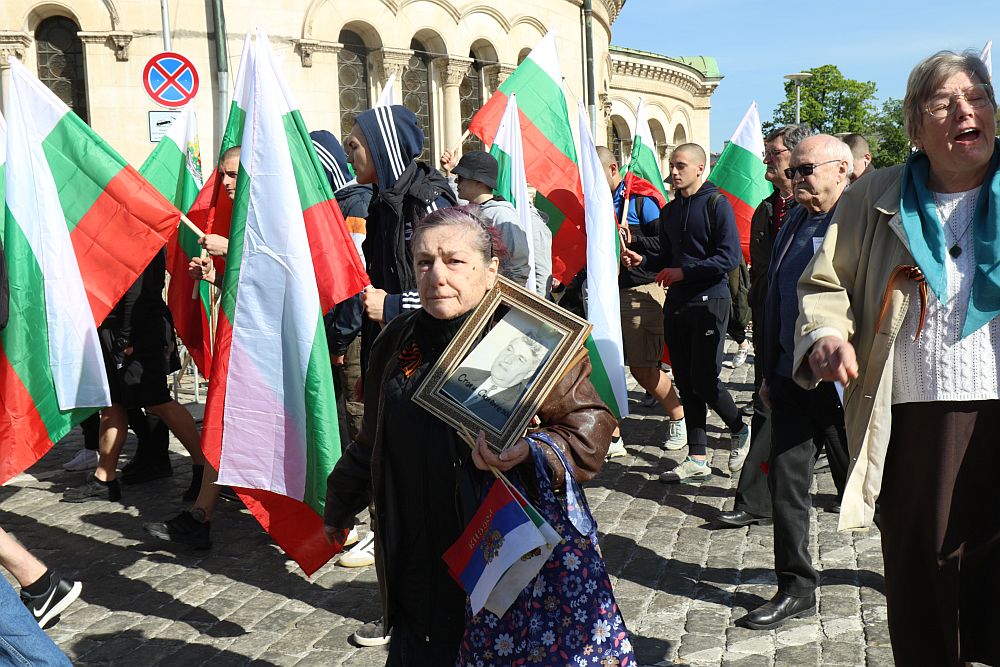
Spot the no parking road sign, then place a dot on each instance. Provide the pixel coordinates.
(170, 79)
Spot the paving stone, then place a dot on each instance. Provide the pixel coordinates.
(680, 583)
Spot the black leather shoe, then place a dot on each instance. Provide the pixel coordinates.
(777, 610)
(739, 518)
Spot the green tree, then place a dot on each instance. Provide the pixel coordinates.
(890, 145)
(831, 103)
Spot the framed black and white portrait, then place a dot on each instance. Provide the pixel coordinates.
(502, 364)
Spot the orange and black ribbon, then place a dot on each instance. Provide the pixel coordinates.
(410, 358)
(916, 275)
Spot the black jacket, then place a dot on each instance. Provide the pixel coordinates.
(761, 244)
(689, 241)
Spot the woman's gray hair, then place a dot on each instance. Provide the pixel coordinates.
(485, 237)
(928, 76)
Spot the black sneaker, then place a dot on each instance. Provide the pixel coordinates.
(183, 529)
(138, 472)
(60, 594)
(94, 489)
(371, 634)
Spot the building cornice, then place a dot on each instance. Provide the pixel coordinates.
(661, 69)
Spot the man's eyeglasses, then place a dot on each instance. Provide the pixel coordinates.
(805, 169)
(770, 153)
(977, 96)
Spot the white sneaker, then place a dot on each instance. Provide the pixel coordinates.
(361, 554)
(352, 537)
(739, 448)
(85, 459)
(678, 435)
(689, 472)
(740, 357)
(616, 449)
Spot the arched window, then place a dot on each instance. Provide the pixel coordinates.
(352, 77)
(470, 94)
(60, 62)
(620, 140)
(417, 93)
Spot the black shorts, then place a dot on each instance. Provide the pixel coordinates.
(138, 380)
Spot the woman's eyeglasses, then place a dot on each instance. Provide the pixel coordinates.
(977, 96)
(805, 169)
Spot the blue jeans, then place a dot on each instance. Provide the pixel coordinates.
(22, 642)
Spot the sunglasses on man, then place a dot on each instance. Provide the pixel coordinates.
(805, 169)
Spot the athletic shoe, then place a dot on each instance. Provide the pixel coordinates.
(688, 472)
(740, 357)
(85, 459)
(649, 400)
(678, 435)
(371, 634)
(182, 529)
(739, 448)
(747, 410)
(361, 554)
(352, 537)
(616, 449)
(93, 489)
(60, 594)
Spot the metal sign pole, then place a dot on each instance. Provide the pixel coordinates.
(166, 25)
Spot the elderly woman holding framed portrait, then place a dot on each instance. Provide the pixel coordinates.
(901, 304)
(427, 483)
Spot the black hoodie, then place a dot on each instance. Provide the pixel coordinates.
(689, 241)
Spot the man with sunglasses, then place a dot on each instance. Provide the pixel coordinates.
(802, 420)
(753, 500)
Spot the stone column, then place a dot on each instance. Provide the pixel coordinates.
(496, 75)
(452, 69)
(385, 62)
(12, 43)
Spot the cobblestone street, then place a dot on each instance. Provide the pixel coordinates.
(681, 582)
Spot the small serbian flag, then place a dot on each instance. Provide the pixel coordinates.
(497, 537)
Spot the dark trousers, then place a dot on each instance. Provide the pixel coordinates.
(695, 333)
(802, 420)
(941, 533)
(345, 378)
(151, 434)
(752, 494)
(408, 649)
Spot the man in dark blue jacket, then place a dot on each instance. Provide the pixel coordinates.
(699, 246)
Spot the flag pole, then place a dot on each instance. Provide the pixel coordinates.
(193, 227)
(454, 149)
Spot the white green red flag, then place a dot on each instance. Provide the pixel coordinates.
(174, 169)
(739, 173)
(986, 55)
(550, 161)
(511, 182)
(607, 352)
(643, 175)
(79, 227)
(271, 417)
(387, 97)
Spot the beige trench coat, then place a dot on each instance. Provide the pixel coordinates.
(841, 294)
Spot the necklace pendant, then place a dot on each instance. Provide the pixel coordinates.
(955, 251)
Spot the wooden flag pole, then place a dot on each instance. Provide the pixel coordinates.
(471, 442)
(454, 149)
(193, 227)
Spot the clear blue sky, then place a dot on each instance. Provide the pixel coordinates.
(757, 42)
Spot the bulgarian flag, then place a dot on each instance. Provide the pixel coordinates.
(174, 168)
(79, 226)
(739, 173)
(643, 175)
(605, 347)
(549, 150)
(271, 417)
(511, 182)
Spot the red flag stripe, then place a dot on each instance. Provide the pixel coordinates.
(339, 273)
(743, 215)
(23, 436)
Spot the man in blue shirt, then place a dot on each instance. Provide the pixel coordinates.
(642, 304)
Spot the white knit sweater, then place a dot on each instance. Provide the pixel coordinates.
(939, 366)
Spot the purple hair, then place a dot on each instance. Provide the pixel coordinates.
(487, 239)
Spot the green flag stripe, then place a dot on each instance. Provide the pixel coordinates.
(233, 136)
(542, 101)
(25, 339)
(81, 169)
(599, 378)
(237, 229)
(505, 182)
(741, 173)
(322, 447)
(643, 164)
(555, 215)
(310, 179)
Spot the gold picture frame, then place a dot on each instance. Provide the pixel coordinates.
(502, 364)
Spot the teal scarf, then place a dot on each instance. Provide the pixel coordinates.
(925, 234)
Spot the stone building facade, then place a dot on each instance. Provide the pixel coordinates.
(336, 55)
